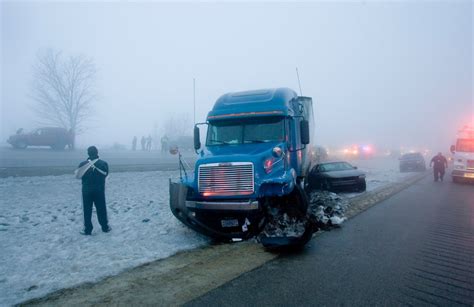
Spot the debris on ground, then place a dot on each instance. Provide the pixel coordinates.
(326, 209)
(281, 225)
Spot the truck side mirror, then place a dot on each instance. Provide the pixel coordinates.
(304, 128)
(197, 138)
(452, 148)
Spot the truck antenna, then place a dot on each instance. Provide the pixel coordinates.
(299, 83)
(194, 100)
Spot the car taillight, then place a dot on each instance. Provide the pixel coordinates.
(268, 165)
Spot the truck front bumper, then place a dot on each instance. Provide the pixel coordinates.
(220, 205)
(217, 219)
(466, 174)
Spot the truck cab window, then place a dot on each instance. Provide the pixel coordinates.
(256, 130)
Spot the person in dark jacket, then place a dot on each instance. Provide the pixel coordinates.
(93, 190)
(440, 165)
(134, 143)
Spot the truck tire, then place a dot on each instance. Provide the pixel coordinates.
(297, 204)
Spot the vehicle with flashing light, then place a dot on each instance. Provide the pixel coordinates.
(251, 168)
(359, 152)
(463, 155)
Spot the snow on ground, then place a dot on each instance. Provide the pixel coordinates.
(379, 172)
(41, 217)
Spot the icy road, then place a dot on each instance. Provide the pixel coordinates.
(42, 250)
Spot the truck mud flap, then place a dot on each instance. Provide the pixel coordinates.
(299, 211)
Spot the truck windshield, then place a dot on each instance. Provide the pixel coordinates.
(465, 145)
(255, 130)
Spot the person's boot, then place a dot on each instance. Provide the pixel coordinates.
(85, 233)
(107, 229)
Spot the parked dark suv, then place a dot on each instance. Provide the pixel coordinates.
(412, 162)
(56, 138)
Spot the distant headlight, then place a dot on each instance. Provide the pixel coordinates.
(459, 166)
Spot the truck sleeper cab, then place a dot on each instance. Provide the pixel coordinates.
(255, 153)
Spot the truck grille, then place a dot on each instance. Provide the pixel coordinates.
(226, 179)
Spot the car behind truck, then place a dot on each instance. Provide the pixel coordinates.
(251, 169)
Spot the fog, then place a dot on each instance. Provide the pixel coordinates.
(387, 73)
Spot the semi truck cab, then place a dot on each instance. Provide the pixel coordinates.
(255, 157)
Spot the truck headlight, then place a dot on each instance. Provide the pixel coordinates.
(268, 165)
(459, 166)
(362, 177)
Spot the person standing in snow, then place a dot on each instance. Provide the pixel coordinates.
(164, 144)
(134, 143)
(440, 164)
(143, 142)
(93, 172)
(148, 143)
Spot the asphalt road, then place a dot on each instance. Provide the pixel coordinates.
(44, 157)
(416, 248)
(44, 161)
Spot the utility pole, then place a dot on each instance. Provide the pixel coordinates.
(299, 83)
(194, 100)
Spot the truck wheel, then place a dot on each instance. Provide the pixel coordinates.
(295, 206)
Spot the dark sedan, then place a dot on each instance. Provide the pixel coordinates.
(338, 175)
(412, 162)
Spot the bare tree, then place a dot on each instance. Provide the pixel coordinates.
(64, 89)
(178, 125)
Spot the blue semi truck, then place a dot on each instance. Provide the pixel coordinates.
(251, 170)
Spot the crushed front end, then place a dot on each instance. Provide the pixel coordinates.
(227, 200)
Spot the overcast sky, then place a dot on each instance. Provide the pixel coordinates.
(388, 73)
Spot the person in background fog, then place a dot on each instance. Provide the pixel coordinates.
(440, 165)
(148, 143)
(93, 172)
(164, 143)
(134, 143)
(143, 142)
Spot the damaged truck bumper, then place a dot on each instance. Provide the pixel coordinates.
(217, 219)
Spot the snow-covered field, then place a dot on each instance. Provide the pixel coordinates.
(41, 217)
